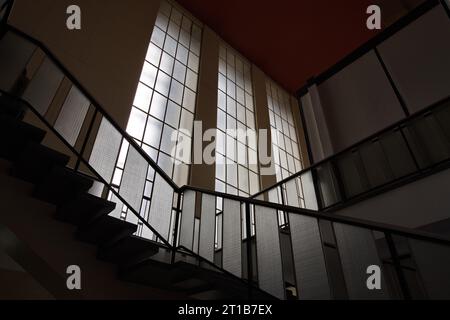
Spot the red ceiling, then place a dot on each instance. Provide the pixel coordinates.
(290, 40)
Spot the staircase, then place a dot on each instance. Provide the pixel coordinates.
(39, 194)
(53, 216)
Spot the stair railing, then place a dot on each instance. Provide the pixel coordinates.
(290, 247)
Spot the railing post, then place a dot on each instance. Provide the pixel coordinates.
(318, 193)
(175, 232)
(340, 185)
(249, 249)
(408, 146)
(397, 265)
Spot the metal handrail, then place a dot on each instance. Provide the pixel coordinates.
(85, 162)
(375, 226)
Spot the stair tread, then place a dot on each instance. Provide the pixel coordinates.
(36, 161)
(61, 185)
(12, 107)
(149, 272)
(105, 229)
(84, 209)
(131, 247)
(181, 275)
(15, 135)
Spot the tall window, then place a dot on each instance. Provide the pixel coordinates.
(237, 169)
(165, 98)
(285, 146)
(236, 152)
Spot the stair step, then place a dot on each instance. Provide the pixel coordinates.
(15, 135)
(61, 185)
(222, 282)
(105, 230)
(12, 107)
(150, 272)
(36, 162)
(128, 248)
(84, 209)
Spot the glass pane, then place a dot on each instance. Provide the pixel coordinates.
(158, 107)
(207, 226)
(173, 114)
(170, 46)
(136, 123)
(182, 54)
(158, 36)
(167, 63)
(106, 149)
(221, 120)
(163, 84)
(148, 75)
(153, 132)
(309, 258)
(153, 54)
(191, 80)
(189, 100)
(173, 30)
(232, 238)
(358, 250)
(176, 92)
(193, 62)
(161, 206)
(187, 219)
(187, 122)
(72, 115)
(133, 181)
(179, 72)
(270, 268)
(168, 140)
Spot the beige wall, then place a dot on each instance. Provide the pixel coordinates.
(203, 175)
(262, 117)
(106, 55)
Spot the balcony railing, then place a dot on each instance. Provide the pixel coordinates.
(402, 152)
(279, 248)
